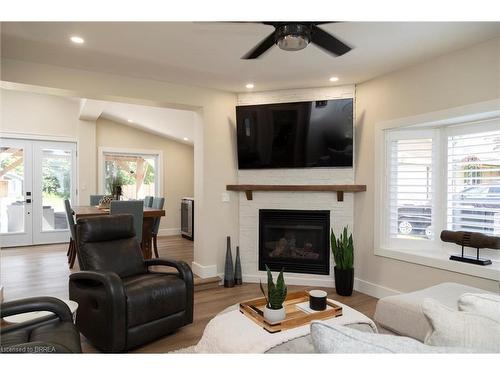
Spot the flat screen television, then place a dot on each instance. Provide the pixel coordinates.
(295, 135)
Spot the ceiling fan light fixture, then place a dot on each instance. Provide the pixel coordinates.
(293, 37)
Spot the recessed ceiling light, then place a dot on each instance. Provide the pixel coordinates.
(129, 120)
(186, 139)
(77, 40)
(249, 85)
(334, 79)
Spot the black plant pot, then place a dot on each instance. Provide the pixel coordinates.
(344, 281)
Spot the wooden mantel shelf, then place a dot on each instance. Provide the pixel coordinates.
(340, 189)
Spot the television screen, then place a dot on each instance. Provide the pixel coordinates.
(295, 135)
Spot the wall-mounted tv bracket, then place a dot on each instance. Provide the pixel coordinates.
(471, 239)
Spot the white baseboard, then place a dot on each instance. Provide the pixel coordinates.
(169, 232)
(374, 290)
(290, 280)
(366, 287)
(204, 272)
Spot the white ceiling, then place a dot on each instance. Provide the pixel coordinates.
(208, 54)
(170, 123)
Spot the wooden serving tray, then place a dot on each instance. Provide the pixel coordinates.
(295, 317)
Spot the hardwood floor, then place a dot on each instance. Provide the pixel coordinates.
(43, 270)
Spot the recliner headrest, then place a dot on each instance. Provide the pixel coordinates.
(105, 228)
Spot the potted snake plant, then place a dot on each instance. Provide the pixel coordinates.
(274, 311)
(343, 254)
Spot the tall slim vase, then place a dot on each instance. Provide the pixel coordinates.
(228, 269)
(238, 280)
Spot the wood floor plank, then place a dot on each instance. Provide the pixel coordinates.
(43, 270)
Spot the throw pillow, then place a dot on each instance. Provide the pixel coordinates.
(340, 339)
(481, 304)
(460, 329)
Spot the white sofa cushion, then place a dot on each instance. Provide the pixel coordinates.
(403, 314)
(341, 339)
(482, 304)
(450, 327)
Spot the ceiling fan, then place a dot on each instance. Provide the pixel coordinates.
(294, 36)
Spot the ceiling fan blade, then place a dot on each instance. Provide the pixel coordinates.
(328, 42)
(260, 48)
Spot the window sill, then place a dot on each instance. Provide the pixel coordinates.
(441, 261)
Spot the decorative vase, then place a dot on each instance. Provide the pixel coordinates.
(273, 316)
(229, 270)
(238, 280)
(118, 192)
(105, 201)
(344, 281)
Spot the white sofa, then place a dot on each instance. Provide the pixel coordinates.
(402, 314)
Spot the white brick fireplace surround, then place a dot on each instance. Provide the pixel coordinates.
(341, 213)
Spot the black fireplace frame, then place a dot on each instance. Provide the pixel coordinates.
(295, 266)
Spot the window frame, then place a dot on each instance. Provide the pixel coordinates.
(157, 154)
(442, 124)
(408, 134)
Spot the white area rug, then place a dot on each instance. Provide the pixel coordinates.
(232, 332)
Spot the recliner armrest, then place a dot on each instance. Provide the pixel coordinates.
(102, 317)
(110, 280)
(186, 274)
(52, 304)
(184, 270)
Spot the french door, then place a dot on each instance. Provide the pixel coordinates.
(35, 179)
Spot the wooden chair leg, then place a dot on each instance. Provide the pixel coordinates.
(69, 248)
(72, 256)
(155, 245)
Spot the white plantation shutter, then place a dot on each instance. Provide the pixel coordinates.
(473, 182)
(410, 185)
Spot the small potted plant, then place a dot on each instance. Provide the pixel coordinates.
(276, 295)
(343, 254)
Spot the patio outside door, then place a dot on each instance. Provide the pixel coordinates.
(35, 178)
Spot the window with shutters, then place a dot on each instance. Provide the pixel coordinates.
(411, 184)
(446, 177)
(473, 182)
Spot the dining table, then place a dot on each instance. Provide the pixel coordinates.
(150, 214)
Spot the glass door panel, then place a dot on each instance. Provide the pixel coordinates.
(56, 187)
(15, 192)
(55, 181)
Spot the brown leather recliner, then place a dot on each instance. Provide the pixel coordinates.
(122, 303)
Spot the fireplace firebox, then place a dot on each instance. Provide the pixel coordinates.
(296, 240)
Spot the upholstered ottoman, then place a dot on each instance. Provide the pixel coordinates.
(402, 314)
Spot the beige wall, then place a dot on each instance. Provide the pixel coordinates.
(28, 114)
(177, 174)
(215, 161)
(37, 114)
(463, 77)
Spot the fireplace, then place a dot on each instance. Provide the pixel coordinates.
(296, 240)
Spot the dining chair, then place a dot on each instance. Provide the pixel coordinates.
(158, 204)
(72, 231)
(95, 199)
(148, 201)
(133, 207)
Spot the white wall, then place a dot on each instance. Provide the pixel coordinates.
(459, 78)
(215, 162)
